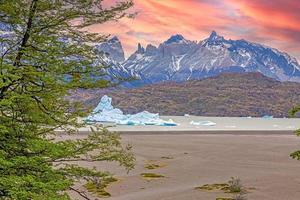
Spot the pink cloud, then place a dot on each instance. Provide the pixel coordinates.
(275, 23)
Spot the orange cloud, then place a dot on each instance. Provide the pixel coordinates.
(275, 23)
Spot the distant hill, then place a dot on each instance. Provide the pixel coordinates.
(229, 94)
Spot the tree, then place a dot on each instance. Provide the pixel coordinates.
(292, 113)
(45, 53)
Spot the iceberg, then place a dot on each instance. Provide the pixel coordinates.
(203, 123)
(105, 112)
(267, 117)
(104, 105)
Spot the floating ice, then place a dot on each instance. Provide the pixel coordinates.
(267, 117)
(104, 104)
(186, 115)
(203, 123)
(230, 126)
(170, 122)
(105, 112)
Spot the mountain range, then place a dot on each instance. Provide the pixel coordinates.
(213, 77)
(178, 59)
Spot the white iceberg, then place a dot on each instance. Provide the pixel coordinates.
(203, 123)
(105, 112)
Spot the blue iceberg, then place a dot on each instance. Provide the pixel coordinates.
(104, 105)
(105, 112)
(267, 117)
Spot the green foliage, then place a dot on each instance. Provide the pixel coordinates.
(37, 70)
(292, 113)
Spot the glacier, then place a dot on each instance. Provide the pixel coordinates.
(105, 112)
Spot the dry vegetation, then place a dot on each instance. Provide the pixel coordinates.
(233, 186)
(250, 94)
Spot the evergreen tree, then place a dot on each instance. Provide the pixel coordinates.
(292, 113)
(45, 53)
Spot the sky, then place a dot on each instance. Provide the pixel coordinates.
(275, 23)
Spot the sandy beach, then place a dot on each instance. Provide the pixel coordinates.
(261, 162)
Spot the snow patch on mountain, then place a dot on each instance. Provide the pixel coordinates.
(113, 49)
(179, 59)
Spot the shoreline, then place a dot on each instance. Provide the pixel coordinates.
(222, 125)
(198, 132)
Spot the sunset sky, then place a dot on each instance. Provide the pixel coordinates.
(275, 23)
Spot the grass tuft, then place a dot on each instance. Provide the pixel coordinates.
(167, 157)
(152, 176)
(99, 189)
(235, 185)
(213, 187)
(154, 165)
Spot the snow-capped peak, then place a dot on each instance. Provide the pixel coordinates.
(175, 39)
(215, 37)
(113, 40)
(214, 40)
(140, 49)
(178, 59)
(113, 48)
